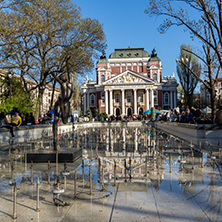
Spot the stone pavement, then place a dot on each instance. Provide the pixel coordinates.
(167, 197)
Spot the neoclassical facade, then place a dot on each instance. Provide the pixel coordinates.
(128, 83)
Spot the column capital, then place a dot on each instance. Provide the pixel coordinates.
(134, 90)
(122, 90)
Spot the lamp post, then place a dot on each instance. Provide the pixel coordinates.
(10, 85)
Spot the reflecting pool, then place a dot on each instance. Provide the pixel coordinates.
(123, 174)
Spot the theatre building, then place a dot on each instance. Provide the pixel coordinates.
(129, 82)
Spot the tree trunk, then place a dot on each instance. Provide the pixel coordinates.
(213, 101)
(53, 91)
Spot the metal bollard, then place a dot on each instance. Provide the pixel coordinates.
(32, 173)
(146, 167)
(130, 168)
(90, 180)
(170, 162)
(57, 163)
(220, 153)
(201, 160)
(25, 161)
(37, 187)
(158, 169)
(49, 171)
(192, 160)
(83, 170)
(14, 216)
(12, 172)
(114, 172)
(125, 169)
(75, 188)
(65, 167)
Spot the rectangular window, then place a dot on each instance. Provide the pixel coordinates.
(103, 98)
(155, 93)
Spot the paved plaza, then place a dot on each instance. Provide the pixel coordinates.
(190, 192)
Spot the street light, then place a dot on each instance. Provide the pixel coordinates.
(10, 85)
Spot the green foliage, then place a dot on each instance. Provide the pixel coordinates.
(159, 108)
(88, 113)
(104, 115)
(16, 97)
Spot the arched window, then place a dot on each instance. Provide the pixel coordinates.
(129, 97)
(102, 78)
(92, 99)
(140, 97)
(166, 98)
(117, 98)
(155, 76)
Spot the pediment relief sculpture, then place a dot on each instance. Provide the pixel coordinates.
(127, 78)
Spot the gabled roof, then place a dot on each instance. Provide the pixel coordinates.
(129, 77)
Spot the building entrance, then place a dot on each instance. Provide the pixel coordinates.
(140, 111)
(117, 112)
(129, 112)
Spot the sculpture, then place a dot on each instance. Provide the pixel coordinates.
(63, 103)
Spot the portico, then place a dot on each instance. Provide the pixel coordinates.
(127, 93)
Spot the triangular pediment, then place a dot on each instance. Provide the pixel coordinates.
(129, 77)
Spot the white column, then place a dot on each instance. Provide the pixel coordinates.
(135, 102)
(107, 139)
(175, 99)
(147, 100)
(171, 100)
(123, 101)
(136, 140)
(106, 101)
(111, 101)
(84, 100)
(152, 98)
(88, 100)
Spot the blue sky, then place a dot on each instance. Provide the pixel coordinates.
(125, 24)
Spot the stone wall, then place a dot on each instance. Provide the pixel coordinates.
(206, 134)
(26, 133)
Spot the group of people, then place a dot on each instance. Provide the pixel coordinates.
(186, 115)
(14, 121)
(48, 118)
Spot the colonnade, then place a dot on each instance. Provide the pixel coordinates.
(149, 100)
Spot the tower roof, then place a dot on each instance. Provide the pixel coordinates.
(153, 57)
(129, 53)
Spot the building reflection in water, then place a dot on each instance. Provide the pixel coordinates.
(144, 155)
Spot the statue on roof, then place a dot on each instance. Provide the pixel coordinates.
(154, 54)
(86, 79)
(103, 56)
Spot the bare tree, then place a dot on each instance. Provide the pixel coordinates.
(187, 80)
(50, 31)
(206, 25)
